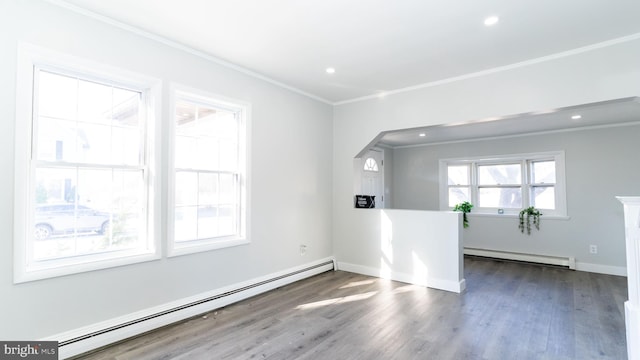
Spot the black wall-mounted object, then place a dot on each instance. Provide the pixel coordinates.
(365, 201)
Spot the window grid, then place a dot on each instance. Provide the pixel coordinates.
(533, 185)
(510, 186)
(206, 214)
(78, 209)
(371, 165)
(94, 139)
(527, 187)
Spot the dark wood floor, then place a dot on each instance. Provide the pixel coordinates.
(509, 311)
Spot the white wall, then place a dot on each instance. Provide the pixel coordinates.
(416, 247)
(294, 173)
(599, 166)
(602, 74)
(291, 179)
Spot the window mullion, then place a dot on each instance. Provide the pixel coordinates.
(36, 113)
(204, 171)
(63, 164)
(474, 182)
(526, 183)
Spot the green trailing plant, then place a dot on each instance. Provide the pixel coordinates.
(527, 216)
(465, 207)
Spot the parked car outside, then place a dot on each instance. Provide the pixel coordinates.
(68, 219)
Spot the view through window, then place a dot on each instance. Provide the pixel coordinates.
(88, 192)
(508, 183)
(208, 171)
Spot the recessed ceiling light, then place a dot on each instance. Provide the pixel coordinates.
(422, 134)
(491, 20)
(330, 70)
(576, 117)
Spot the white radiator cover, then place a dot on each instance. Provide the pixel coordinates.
(568, 261)
(78, 341)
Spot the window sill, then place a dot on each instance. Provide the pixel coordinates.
(40, 272)
(515, 216)
(203, 246)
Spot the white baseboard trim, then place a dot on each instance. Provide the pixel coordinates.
(632, 320)
(567, 261)
(81, 340)
(440, 284)
(601, 269)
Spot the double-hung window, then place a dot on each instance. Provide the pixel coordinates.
(499, 185)
(505, 184)
(82, 171)
(208, 178)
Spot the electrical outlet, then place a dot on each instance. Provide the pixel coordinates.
(593, 249)
(303, 249)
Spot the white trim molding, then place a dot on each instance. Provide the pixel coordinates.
(182, 47)
(601, 269)
(568, 261)
(380, 95)
(632, 243)
(440, 284)
(31, 59)
(542, 59)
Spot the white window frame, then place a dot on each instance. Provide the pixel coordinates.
(243, 109)
(31, 57)
(560, 210)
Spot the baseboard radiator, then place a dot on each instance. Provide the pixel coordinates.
(569, 262)
(84, 340)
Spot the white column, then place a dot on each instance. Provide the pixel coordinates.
(632, 306)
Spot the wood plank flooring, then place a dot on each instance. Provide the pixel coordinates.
(509, 311)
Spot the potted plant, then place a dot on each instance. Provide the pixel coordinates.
(527, 216)
(465, 207)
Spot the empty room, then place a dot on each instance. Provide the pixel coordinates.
(320, 180)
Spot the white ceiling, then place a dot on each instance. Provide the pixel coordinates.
(374, 45)
(606, 113)
(382, 46)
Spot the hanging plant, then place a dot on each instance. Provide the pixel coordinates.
(532, 215)
(465, 207)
